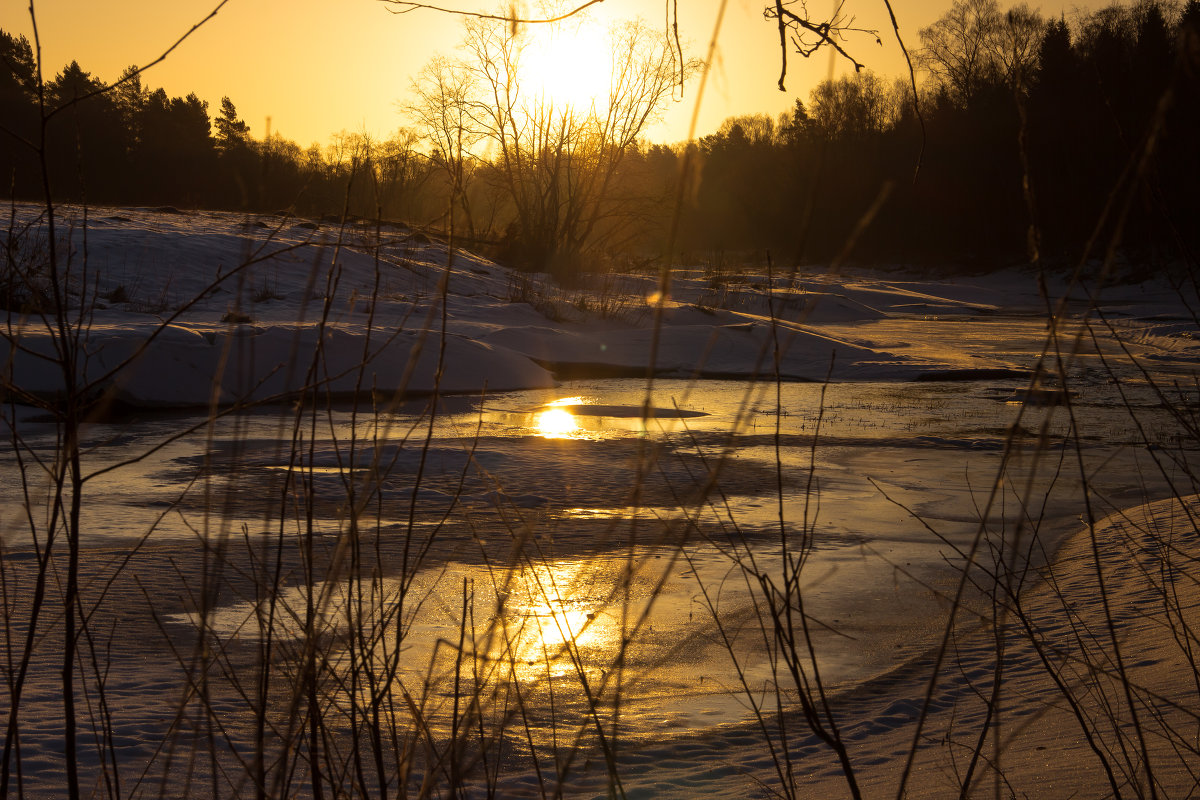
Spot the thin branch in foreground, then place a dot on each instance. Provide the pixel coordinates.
(405, 7)
(808, 37)
(912, 81)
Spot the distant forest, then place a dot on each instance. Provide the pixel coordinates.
(1031, 137)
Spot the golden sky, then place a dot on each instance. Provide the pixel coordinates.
(317, 67)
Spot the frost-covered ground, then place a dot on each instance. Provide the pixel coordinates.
(234, 305)
(536, 484)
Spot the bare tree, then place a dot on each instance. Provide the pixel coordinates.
(855, 106)
(1014, 43)
(444, 92)
(956, 50)
(399, 167)
(975, 43)
(555, 161)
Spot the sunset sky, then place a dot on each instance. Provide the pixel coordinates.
(317, 67)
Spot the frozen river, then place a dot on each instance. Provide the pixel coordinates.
(576, 524)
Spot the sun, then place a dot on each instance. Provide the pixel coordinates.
(568, 63)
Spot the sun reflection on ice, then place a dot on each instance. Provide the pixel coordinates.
(556, 420)
(550, 620)
(548, 634)
(557, 423)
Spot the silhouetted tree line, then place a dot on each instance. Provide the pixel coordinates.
(1033, 136)
(137, 146)
(1074, 127)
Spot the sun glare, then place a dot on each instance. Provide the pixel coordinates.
(568, 64)
(552, 608)
(556, 423)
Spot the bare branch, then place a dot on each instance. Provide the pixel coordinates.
(807, 37)
(404, 7)
(912, 81)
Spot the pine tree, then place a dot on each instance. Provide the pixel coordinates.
(232, 133)
(18, 115)
(16, 68)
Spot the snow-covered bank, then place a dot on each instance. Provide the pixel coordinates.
(189, 309)
(180, 366)
(1061, 712)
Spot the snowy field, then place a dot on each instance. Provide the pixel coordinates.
(363, 511)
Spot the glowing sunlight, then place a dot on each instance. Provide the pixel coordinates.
(556, 423)
(553, 609)
(568, 64)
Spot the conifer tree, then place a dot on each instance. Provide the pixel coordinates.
(232, 132)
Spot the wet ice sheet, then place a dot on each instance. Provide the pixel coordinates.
(671, 633)
(900, 493)
(496, 452)
(875, 575)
